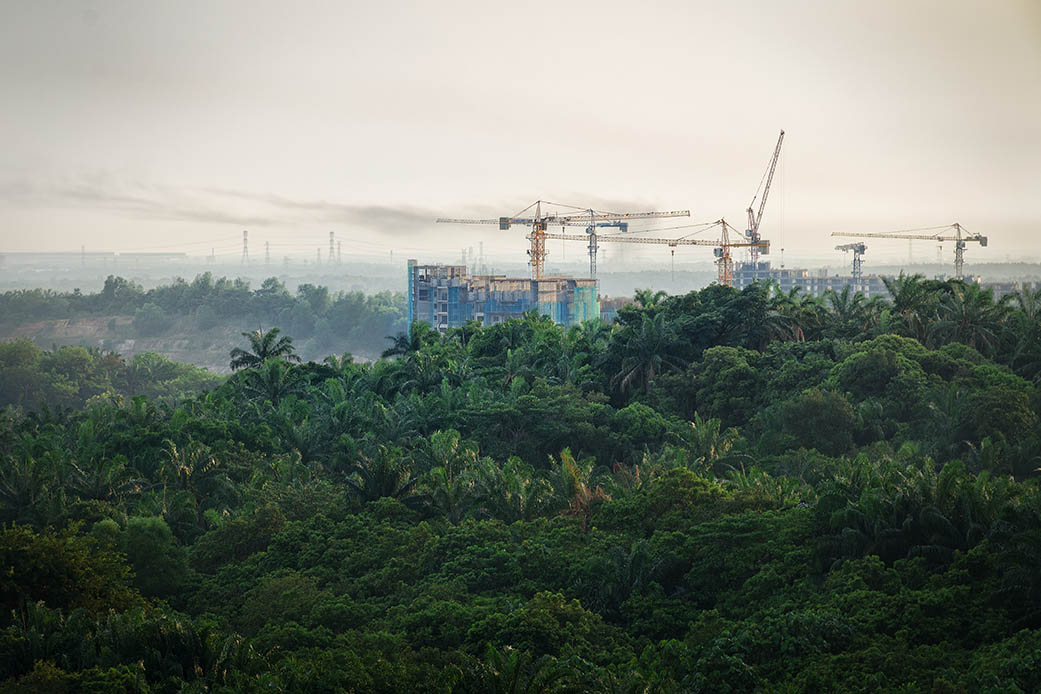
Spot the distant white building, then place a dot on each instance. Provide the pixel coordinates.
(812, 283)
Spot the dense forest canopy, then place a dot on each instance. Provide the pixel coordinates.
(722, 492)
(327, 321)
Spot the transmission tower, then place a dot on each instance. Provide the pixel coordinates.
(245, 248)
(331, 247)
(267, 253)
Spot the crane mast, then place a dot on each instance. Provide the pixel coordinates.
(594, 241)
(858, 252)
(755, 218)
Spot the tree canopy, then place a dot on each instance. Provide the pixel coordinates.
(722, 491)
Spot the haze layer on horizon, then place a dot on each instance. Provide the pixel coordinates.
(176, 125)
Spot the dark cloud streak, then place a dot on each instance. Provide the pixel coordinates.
(217, 206)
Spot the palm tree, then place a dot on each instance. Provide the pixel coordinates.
(646, 354)
(265, 345)
(648, 298)
(510, 671)
(571, 369)
(911, 302)
(511, 492)
(574, 486)
(780, 323)
(450, 493)
(342, 364)
(969, 314)
(104, 479)
(622, 572)
(710, 441)
(29, 489)
(195, 471)
(808, 313)
(273, 381)
(757, 483)
(1029, 305)
(418, 335)
(1026, 356)
(464, 333)
(849, 312)
(386, 474)
(515, 367)
(422, 372)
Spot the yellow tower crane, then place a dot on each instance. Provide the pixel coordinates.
(540, 221)
(960, 238)
(724, 262)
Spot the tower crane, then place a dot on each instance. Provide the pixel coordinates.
(540, 222)
(858, 249)
(594, 240)
(960, 237)
(724, 262)
(754, 218)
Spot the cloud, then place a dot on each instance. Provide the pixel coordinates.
(138, 202)
(212, 205)
(247, 209)
(379, 218)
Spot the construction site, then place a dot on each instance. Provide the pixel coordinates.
(449, 295)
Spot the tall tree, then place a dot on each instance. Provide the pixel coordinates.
(912, 300)
(647, 352)
(265, 345)
(968, 314)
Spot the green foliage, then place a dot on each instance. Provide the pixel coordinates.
(150, 320)
(727, 384)
(821, 419)
(61, 570)
(160, 565)
(724, 491)
(266, 345)
(73, 376)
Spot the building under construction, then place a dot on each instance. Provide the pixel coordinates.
(812, 283)
(447, 296)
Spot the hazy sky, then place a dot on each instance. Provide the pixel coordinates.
(153, 125)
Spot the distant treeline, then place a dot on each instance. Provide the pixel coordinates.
(333, 321)
(31, 377)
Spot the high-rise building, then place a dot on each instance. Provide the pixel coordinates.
(812, 283)
(447, 296)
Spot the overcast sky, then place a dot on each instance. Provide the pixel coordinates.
(153, 125)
